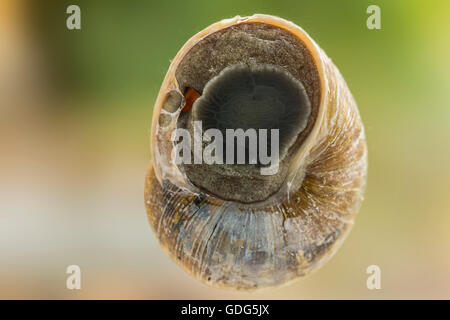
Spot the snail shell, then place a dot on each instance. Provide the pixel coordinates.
(226, 225)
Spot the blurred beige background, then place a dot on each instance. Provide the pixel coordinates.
(75, 115)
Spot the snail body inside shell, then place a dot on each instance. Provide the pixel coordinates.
(226, 222)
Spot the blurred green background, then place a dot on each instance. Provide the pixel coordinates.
(75, 116)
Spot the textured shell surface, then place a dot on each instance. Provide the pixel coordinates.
(285, 226)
